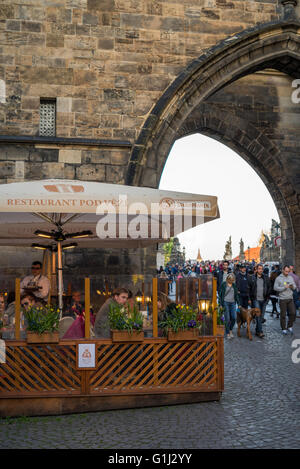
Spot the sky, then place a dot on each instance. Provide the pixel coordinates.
(201, 165)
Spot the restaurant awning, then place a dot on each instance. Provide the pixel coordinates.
(135, 216)
(53, 212)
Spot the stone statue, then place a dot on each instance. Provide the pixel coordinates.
(275, 229)
(267, 242)
(261, 239)
(228, 250)
(242, 249)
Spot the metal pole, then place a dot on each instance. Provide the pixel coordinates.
(154, 307)
(17, 309)
(53, 273)
(60, 277)
(49, 274)
(214, 305)
(87, 296)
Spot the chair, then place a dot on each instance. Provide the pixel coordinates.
(64, 325)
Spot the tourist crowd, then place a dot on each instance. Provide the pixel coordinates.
(243, 285)
(238, 286)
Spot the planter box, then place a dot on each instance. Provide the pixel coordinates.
(125, 336)
(183, 335)
(45, 338)
(220, 330)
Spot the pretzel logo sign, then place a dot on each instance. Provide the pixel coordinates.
(64, 188)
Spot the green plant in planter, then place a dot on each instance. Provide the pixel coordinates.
(181, 318)
(42, 319)
(220, 315)
(125, 318)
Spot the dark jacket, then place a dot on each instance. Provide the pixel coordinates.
(220, 278)
(162, 315)
(273, 277)
(223, 291)
(101, 326)
(267, 287)
(243, 283)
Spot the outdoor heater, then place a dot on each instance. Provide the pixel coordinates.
(59, 236)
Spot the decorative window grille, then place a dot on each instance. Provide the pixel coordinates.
(47, 117)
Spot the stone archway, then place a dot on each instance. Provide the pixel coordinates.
(256, 149)
(275, 46)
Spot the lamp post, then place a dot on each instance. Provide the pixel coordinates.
(203, 311)
(139, 298)
(59, 237)
(148, 301)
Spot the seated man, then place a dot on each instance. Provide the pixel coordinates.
(36, 283)
(101, 326)
(28, 300)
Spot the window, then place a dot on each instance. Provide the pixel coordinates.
(47, 117)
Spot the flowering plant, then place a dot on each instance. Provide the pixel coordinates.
(180, 318)
(220, 315)
(42, 319)
(125, 318)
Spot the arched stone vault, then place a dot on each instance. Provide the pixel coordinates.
(275, 46)
(255, 148)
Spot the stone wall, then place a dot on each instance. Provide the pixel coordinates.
(106, 62)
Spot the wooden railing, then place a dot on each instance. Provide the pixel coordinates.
(152, 366)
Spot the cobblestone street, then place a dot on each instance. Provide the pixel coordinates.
(260, 408)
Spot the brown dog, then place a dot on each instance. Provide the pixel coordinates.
(246, 316)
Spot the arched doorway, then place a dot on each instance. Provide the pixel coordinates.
(200, 163)
(265, 134)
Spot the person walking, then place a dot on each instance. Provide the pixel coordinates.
(222, 274)
(243, 283)
(273, 293)
(260, 293)
(285, 285)
(296, 293)
(229, 297)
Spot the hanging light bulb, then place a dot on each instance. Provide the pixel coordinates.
(69, 246)
(44, 234)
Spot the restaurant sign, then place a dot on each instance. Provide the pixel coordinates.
(86, 356)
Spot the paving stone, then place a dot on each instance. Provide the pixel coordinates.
(259, 408)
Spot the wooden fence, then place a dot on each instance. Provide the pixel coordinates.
(45, 379)
(152, 366)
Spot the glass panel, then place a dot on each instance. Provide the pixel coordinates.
(189, 292)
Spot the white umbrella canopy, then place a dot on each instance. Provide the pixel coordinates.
(116, 216)
(137, 216)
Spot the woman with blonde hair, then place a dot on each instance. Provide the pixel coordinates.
(165, 306)
(228, 298)
(163, 274)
